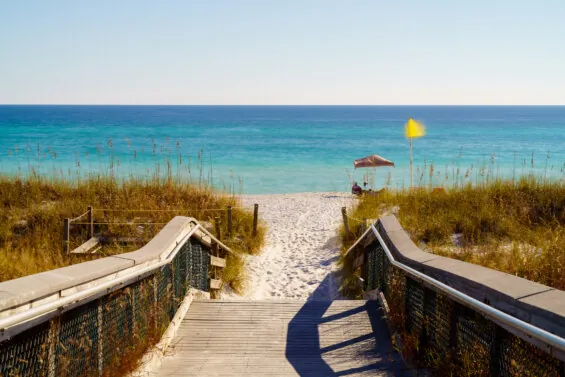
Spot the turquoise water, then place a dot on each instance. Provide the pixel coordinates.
(283, 149)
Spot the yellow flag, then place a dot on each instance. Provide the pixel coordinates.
(414, 129)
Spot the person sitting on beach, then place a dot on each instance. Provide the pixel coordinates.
(356, 189)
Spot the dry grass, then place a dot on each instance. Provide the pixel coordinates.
(515, 227)
(136, 207)
(32, 212)
(128, 204)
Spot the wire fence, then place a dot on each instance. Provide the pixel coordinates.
(77, 232)
(185, 210)
(102, 337)
(122, 223)
(361, 221)
(80, 216)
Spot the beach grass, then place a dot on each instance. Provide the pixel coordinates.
(128, 209)
(33, 209)
(128, 203)
(514, 226)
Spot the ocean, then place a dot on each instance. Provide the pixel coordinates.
(283, 149)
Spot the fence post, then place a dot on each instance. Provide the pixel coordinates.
(100, 329)
(215, 252)
(496, 341)
(255, 215)
(155, 299)
(52, 352)
(345, 224)
(66, 234)
(455, 312)
(90, 222)
(218, 231)
(365, 270)
(230, 225)
(407, 306)
(379, 260)
(428, 297)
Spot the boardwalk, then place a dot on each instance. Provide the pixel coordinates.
(282, 338)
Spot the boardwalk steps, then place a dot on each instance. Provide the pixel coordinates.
(282, 338)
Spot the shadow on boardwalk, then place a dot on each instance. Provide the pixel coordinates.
(341, 338)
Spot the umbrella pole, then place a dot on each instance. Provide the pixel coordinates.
(410, 162)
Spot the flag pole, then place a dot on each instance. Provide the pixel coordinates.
(410, 163)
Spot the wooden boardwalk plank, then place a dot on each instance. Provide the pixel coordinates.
(282, 338)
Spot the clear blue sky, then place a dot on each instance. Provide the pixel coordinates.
(282, 52)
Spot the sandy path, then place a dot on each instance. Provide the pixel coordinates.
(302, 247)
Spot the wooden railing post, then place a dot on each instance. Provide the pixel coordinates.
(218, 231)
(496, 341)
(52, 352)
(255, 216)
(454, 319)
(216, 253)
(90, 222)
(155, 297)
(230, 225)
(428, 297)
(66, 234)
(345, 224)
(407, 308)
(216, 263)
(365, 270)
(100, 329)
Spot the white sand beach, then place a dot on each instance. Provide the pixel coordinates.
(302, 247)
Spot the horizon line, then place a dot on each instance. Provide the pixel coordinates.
(285, 105)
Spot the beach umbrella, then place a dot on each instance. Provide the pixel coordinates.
(372, 161)
(413, 129)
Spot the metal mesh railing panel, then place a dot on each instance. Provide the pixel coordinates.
(181, 268)
(371, 269)
(474, 340)
(165, 297)
(387, 277)
(380, 266)
(102, 334)
(26, 355)
(393, 280)
(144, 310)
(117, 327)
(77, 350)
(520, 358)
(196, 259)
(414, 297)
(453, 338)
(200, 262)
(438, 314)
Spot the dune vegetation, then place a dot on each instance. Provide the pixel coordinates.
(33, 209)
(132, 201)
(129, 208)
(515, 226)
